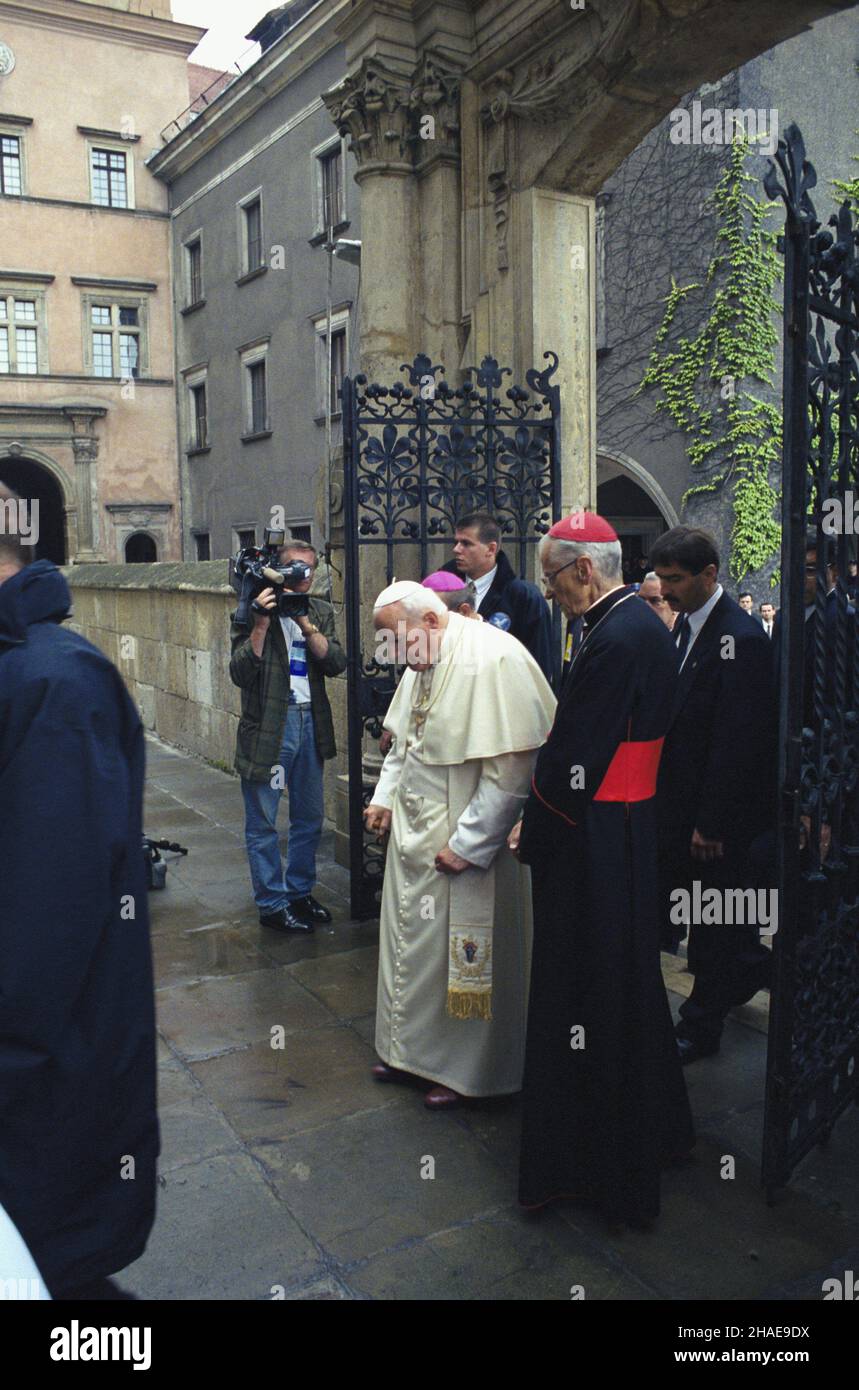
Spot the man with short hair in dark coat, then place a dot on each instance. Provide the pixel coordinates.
(78, 1124)
(503, 599)
(716, 791)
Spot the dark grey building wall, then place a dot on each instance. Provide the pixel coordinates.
(235, 483)
(657, 225)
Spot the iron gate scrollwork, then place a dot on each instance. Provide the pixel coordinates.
(813, 1051)
(417, 456)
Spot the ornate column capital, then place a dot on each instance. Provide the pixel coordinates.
(397, 121)
(434, 104)
(371, 107)
(85, 449)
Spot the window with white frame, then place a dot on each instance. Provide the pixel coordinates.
(194, 270)
(329, 186)
(21, 328)
(254, 360)
(339, 358)
(11, 164)
(115, 342)
(109, 177)
(251, 233)
(197, 409)
(200, 417)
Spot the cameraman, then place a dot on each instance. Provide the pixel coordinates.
(284, 735)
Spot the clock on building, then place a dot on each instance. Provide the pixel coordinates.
(7, 59)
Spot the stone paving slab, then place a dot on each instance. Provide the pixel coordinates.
(191, 1127)
(208, 1017)
(346, 983)
(268, 1094)
(357, 1184)
(222, 1233)
(202, 952)
(497, 1257)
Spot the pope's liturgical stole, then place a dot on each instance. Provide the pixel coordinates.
(485, 697)
(469, 976)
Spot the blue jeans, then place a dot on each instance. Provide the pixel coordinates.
(302, 776)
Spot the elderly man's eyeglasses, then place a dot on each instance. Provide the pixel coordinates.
(549, 579)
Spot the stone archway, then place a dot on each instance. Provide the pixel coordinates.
(39, 480)
(482, 133)
(611, 463)
(635, 505)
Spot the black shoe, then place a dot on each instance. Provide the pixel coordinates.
(309, 910)
(284, 920)
(690, 1051)
(759, 979)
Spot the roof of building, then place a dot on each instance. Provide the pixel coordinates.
(201, 79)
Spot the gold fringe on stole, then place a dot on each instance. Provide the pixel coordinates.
(469, 1004)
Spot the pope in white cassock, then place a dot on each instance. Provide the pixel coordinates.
(467, 719)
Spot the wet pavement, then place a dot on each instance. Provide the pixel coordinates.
(287, 1172)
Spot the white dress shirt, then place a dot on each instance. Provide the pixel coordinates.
(699, 618)
(483, 585)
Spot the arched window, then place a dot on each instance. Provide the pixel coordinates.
(140, 549)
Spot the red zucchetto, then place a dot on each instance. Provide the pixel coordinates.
(583, 526)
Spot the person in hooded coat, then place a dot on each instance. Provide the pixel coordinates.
(78, 1125)
(604, 1100)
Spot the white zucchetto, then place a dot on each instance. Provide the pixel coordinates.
(400, 589)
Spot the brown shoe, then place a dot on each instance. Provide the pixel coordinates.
(382, 1072)
(441, 1098)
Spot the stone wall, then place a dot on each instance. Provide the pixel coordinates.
(166, 627)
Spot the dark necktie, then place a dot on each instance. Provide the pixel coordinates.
(684, 632)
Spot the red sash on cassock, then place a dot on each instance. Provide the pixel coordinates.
(630, 776)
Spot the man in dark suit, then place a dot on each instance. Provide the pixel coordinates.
(504, 600)
(716, 779)
(747, 603)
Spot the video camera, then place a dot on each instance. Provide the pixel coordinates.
(257, 567)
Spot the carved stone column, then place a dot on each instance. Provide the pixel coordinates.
(371, 107)
(538, 264)
(85, 450)
(435, 139)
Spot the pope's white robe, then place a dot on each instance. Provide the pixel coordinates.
(466, 737)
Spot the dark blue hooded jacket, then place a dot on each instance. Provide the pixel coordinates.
(77, 1028)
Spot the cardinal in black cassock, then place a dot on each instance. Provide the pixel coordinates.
(605, 1105)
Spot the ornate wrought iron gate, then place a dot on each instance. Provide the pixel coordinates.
(418, 455)
(813, 1055)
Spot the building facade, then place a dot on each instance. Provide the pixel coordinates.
(87, 415)
(256, 176)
